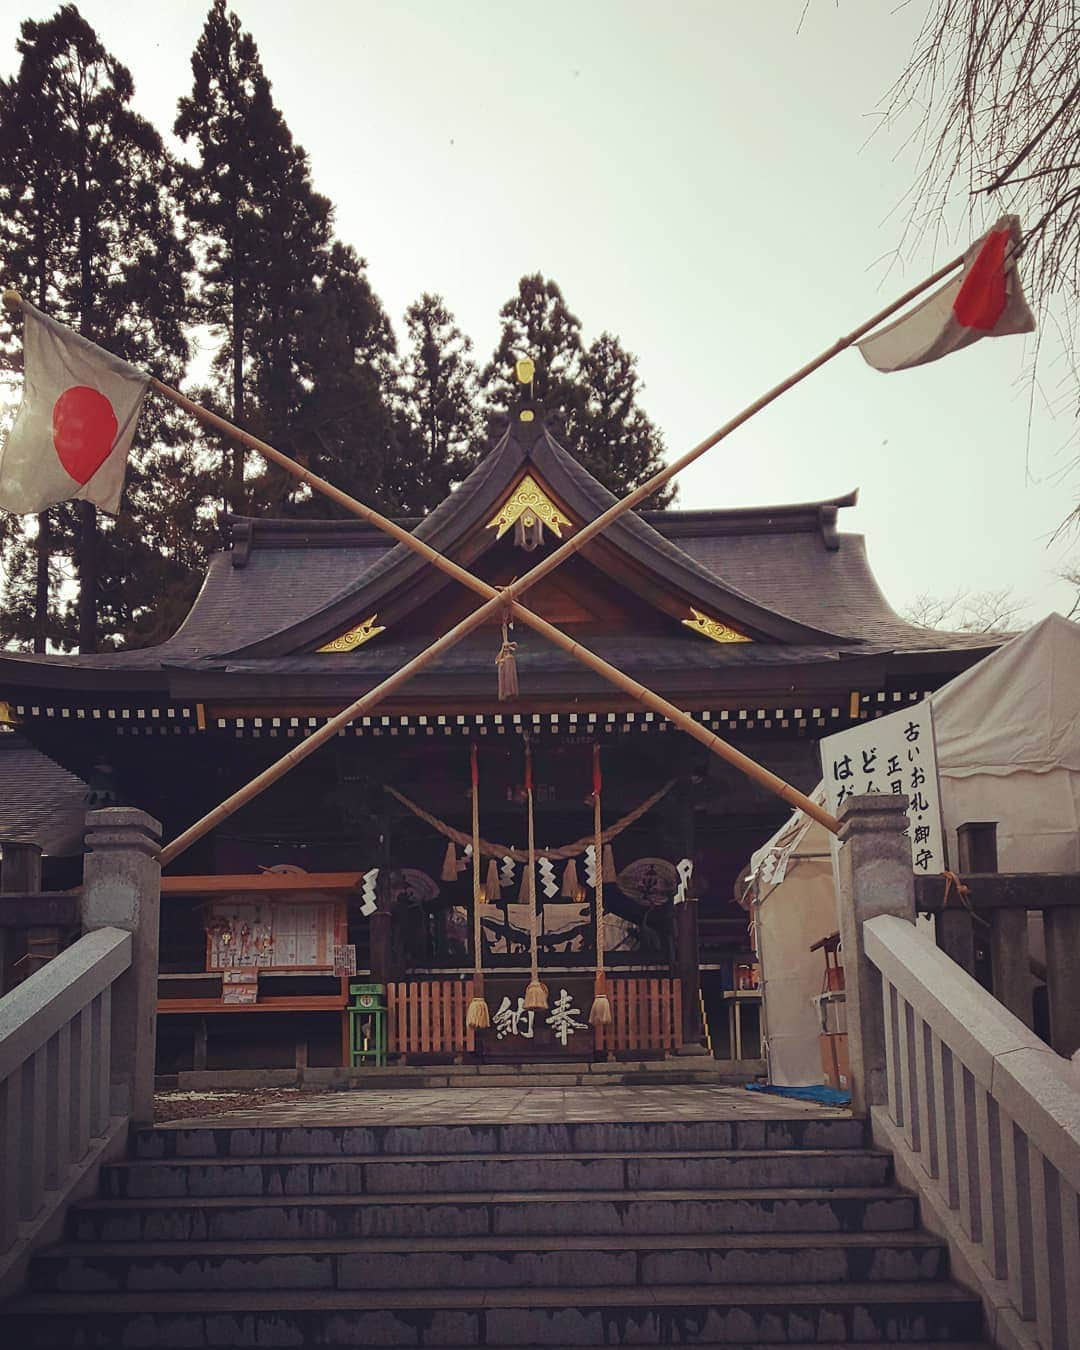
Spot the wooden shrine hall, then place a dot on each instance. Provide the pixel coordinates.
(765, 624)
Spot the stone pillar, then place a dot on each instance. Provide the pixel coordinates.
(875, 878)
(122, 889)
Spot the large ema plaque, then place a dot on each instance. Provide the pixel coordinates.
(561, 1031)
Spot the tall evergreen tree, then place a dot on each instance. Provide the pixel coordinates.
(345, 426)
(87, 229)
(263, 232)
(616, 440)
(439, 391)
(594, 390)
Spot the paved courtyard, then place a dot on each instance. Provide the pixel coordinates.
(501, 1105)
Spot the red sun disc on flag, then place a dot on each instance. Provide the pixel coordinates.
(84, 430)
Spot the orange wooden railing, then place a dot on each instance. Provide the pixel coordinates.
(428, 1017)
(647, 1015)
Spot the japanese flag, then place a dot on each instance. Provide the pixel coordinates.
(74, 427)
(985, 300)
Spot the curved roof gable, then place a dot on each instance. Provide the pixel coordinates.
(457, 528)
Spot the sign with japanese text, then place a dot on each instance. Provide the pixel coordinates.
(561, 1031)
(892, 754)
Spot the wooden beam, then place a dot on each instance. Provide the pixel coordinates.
(245, 882)
(30, 909)
(990, 891)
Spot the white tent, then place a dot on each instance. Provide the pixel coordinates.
(793, 906)
(1008, 750)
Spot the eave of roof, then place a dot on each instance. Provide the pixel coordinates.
(469, 508)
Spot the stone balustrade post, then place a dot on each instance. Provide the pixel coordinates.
(122, 889)
(875, 878)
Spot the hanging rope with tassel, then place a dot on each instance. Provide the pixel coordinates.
(506, 662)
(536, 992)
(600, 1013)
(477, 1015)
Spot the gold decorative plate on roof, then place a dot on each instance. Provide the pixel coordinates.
(713, 628)
(530, 502)
(355, 637)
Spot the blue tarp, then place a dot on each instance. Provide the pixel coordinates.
(818, 1092)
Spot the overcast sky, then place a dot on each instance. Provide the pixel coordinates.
(700, 178)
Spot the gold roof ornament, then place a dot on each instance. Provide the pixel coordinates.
(713, 628)
(525, 370)
(355, 637)
(529, 503)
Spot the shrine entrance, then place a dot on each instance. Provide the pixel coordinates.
(262, 960)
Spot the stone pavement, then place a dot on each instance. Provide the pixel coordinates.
(503, 1105)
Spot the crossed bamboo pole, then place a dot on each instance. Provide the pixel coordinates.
(508, 596)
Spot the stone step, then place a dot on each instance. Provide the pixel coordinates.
(675, 1071)
(683, 1315)
(314, 1176)
(470, 1214)
(598, 1136)
(480, 1263)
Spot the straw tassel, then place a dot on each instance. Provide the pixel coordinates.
(610, 875)
(491, 886)
(571, 887)
(506, 662)
(536, 996)
(477, 1015)
(450, 864)
(600, 1012)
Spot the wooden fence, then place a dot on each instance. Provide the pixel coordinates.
(428, 1017)
(647, 1015)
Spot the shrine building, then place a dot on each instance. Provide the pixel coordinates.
(764, 623)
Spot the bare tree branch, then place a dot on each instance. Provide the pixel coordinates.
(966, 611)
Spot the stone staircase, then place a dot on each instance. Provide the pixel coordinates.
(746, 1232)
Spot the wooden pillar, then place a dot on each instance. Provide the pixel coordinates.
(382, 922)
(1010, 959)
(1061, 925)
(20, 871)
(381, 931)
(689, 975)
(199, 1046)
(956, 935)
(687, 954)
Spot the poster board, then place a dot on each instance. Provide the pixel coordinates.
(894, 754)
(273, 934)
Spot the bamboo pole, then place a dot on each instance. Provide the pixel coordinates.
(498, 599)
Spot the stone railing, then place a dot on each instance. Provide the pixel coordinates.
(984, 1118)
(77, 1043)
(981, 1116)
